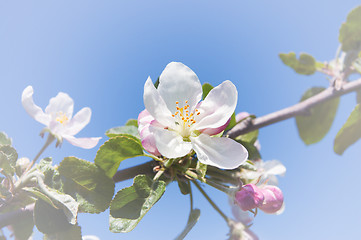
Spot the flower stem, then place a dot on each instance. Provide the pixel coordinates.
(49, 140)
(190, 194)
(158, 175)
(211, 202)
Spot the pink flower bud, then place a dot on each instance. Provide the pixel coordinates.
(249, 197)
(147, 137)
(273, 199)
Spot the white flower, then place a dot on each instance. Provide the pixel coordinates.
(58, 118)
(182, 123)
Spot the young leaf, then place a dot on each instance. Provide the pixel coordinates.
(10, 153)
(232, 122)
(4, 139)
(115, 150)
(5, 164)
(183, 186)
(131, 204)
(116, 131)
(132, 122)
(192, 220)
(306, 64)
(87, 183)
(206, 89)
(48, 219)
(312, 128)
(350, 131)
(250, 137)
(350, 31)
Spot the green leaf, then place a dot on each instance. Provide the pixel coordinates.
(350, 131)
(156, 84)
(116, 131)
(250, 137)
(313, 127)
(5, 164)
(350, 31)
(36, 192)
(117, 149)
(52, 176)
(357, 65)
(72, 233)
(306, 64)
(192, 220)
(201, 169)
(131, 204)
(183, 185)
(206, 89)
(88, 184)
(253, 153)
(23, 228)
(4, 139)
(232, 122)
(49, 220)
(132, 122)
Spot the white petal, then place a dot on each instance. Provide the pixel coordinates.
(144, 119)
(220, 152)
(33, 110)
(218, 106)
(274, 167)
(61, 103)
(169, 143)
(78, 122)
(86, 143)
(155, 105)
(179, 83)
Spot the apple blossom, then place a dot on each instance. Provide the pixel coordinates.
(273, 199)
(180, 121)
(58, 118)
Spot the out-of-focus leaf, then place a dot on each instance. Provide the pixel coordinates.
(4, 139)
(312, 128)
(5, 164)
(350, 131)
(232, 122)
(357, 65)
(8, 159)
(192, 220)
(350, 31)
(88, 184)
(72, 233)
(306, 64)
(117, 149)
(116, 131)
(250, 137)
(131, 204)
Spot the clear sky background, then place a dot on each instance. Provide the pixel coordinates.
(101, 53)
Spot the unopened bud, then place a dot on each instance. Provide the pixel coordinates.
(249, 197)
(273, 199)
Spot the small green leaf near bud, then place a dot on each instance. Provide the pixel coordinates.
(306, 64)
(350, 31)
(4, 139)
(116, 131)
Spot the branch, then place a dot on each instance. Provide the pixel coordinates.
(301, 108)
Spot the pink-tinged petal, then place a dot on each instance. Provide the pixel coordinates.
(178, 83)
(78, 122)
(220, 152)
(218, 106)
(156, 106)
(144, 119)
(61, 103)
(86, 143)
(33, 110)
(214, 131)
(273, 199)
(249, 197)
(148, 140)
(169, 143)
(242, 115)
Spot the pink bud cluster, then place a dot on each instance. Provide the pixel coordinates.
(268, 198)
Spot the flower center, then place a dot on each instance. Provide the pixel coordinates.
(184, 119)
(62, 118)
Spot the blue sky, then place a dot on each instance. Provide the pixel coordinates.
(101, 53)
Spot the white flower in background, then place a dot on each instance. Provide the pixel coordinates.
(238, 231)
(58, 118)
(90, 237)
(181, 122)
(266, 172)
